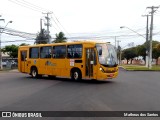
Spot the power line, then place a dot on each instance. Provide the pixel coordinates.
(56, 23)
(13, 32)
(26, 6)
(81, 35)
(54, 26)
(61, 24)
(29, 5)
(17, 41)
(36, 8)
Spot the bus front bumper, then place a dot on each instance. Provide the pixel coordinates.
(105, 76)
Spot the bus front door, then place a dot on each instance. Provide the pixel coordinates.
(90, 62)
(23, 63)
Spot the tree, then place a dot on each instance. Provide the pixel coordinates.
(129, 54)
(141, 51)
(11, 50)
(156, 52)
(158, 46)
(119, 55)
(23, 44)
(60, 38)
(42, 37)
(154, 43)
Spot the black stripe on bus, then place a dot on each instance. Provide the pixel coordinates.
(78, 61)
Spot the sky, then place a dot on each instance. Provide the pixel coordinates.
(81, 19)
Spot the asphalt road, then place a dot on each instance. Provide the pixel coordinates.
(131, 91)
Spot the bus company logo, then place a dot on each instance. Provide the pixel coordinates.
(6, 114)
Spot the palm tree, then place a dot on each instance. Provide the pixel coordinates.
(60, 38)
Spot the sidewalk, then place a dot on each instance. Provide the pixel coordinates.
(139, 68)
(9, 70)
(14, 70)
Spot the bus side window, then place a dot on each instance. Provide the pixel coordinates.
(23, 56)
(74, 51)
(45, 52)
(53, 55)
(34, 52)
(59, 51)
(76, 55)
(69, 55)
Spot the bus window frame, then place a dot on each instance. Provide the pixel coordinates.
(30, 53)
(53, 52)
(75, 51)
(50, 52)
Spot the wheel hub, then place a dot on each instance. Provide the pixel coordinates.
(75, 75)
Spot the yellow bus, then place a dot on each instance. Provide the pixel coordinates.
(76, 60)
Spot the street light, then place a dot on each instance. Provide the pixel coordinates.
(1, 31)
(147, 63)
(132, 31)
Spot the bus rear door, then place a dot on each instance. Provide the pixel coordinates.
(23, 61)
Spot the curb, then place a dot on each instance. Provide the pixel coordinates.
(139, 70)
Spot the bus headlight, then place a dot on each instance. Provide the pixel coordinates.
(101, 69)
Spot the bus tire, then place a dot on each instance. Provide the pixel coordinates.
(34, 72)
(76, 74)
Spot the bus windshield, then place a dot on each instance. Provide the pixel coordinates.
(106, 54)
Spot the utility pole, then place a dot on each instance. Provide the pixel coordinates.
(118, 41)
(115, 42)
(48, 24)
(40, 25)
(116, 48)
(1, 30)
(151, 33)
(147, 42)
(119, 51)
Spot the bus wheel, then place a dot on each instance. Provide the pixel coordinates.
(34, 73)
(76, 75)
